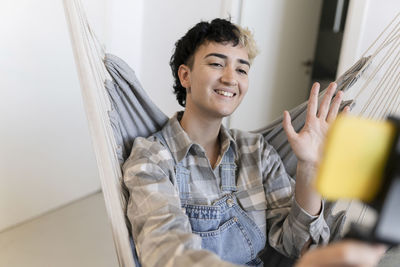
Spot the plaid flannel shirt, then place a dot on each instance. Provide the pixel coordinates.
(160, 228)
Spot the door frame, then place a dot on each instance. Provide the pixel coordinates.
(353, 34)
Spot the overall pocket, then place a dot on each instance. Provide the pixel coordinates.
(229, 241)
(222, 230)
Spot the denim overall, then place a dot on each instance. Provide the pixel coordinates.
(224, 227)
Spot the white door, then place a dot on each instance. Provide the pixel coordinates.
(286, 33)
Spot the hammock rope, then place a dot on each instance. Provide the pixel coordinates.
(381, 34)
(92, 74)
(373, 97)
(382, 85)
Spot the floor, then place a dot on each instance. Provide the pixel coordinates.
(391, 259)
(77, 235)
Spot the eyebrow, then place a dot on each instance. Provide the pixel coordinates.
(242, 61)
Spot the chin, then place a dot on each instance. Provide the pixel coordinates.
(225, 113)
(221, 111)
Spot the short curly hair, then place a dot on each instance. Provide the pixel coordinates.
(218, 30)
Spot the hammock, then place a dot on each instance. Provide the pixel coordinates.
(119, 110)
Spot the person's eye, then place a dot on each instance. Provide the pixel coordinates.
(242, 71)
(215, 64)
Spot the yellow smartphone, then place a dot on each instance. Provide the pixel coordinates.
(354, 158)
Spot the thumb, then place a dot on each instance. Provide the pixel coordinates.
(287, 125)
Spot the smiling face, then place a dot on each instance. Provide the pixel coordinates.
(217, 81)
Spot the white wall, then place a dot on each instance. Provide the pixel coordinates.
(46, 158)
(366, 19)
(124, 30)
(286, 33)
(378, 15)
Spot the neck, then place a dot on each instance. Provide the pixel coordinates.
(204, 131)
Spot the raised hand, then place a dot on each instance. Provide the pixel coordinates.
(308, 142)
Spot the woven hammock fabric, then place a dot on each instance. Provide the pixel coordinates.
(133, 113)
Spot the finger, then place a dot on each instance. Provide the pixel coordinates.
(344, 253)
(312, 105)
(333, 111)
(287, 125)
(362, 254)
(346, 110)
(326, 101)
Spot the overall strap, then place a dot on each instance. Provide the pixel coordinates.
(228, 171)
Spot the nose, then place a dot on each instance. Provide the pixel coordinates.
(228, 77)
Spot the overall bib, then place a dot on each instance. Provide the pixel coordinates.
(224, 226)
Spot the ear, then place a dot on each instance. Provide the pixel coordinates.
(184, 75)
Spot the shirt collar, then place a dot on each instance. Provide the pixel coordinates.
(227, 140)
(180, 143)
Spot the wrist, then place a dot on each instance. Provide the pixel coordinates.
(305, 194)
(305, 172)
(306, 164)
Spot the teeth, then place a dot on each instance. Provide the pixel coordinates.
(220, 92)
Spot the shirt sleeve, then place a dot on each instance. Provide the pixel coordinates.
(289, 226)
(161, 230)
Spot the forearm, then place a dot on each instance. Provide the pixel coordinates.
(305, 194)
(290, 226)
(293, 232)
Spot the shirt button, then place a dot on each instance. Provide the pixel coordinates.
(229, 202)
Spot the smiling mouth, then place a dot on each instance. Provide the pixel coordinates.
(225, 93)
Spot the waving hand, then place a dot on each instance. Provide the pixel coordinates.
(308, 142)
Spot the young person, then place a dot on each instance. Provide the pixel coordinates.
(203, 194)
